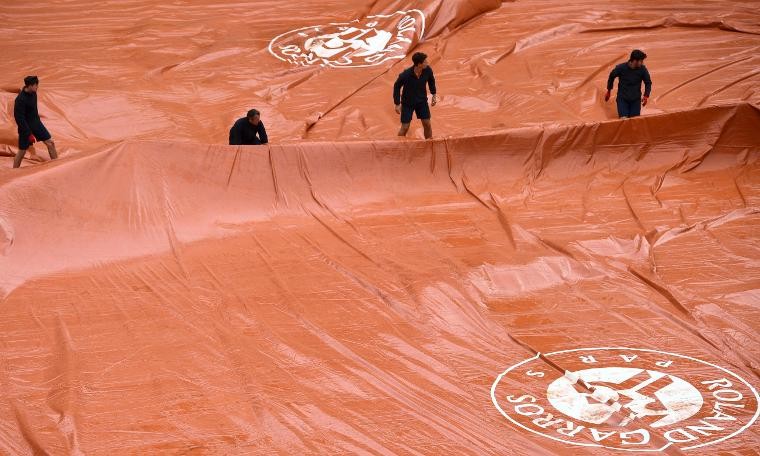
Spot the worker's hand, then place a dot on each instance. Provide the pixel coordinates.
(644, 100)
(398, 109)
(435, 100)
(32, 139)
(607, 96)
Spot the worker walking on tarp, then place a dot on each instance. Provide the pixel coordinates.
(413, 97)
(249, 130)
(30, 126)
(631, 74)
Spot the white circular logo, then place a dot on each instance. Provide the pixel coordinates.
(359, 43)
(626, 399)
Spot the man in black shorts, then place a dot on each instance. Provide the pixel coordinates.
(413, 98)
(30, 127)
(248, 130)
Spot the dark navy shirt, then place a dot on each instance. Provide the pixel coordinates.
(243, 133)
(414, 88)
(25, 112)
(629, 87)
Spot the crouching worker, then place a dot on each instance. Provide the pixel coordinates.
(248, 130)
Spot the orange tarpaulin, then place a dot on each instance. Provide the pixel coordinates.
(540, 278)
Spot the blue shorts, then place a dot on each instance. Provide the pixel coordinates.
(628, 108)
(421, 109)
(38, 130)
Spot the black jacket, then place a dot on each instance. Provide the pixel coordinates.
(414, 88)
(25, 112)
(243, 133)
(629, 87)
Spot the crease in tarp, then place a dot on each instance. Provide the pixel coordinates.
(693, 323)
(631, 209)
(671, 21)
(663, 237)
(450, 16)
(700, 76)
(728, 85)
(312, 120)
(503, 218)
(26, 431)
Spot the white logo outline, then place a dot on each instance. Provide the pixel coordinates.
(328, 64)
(513, 367)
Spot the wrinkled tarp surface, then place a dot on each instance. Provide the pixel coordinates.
(344, 291)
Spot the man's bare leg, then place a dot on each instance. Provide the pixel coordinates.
(51, 149)
(428, 127)
(404, 129)
(19, 156)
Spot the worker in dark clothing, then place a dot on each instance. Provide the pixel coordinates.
(249, 130)
(631, 74)
(413, 97)
(30, 127)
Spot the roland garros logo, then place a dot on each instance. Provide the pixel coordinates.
(626, 399)
(359, 43)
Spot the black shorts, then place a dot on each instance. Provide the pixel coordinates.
(38, 130)
(421, 109)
